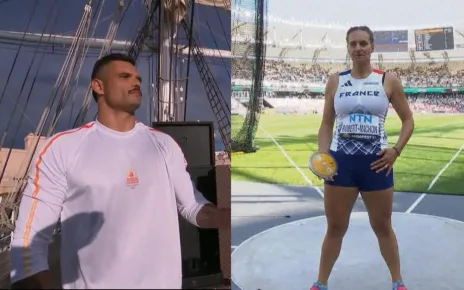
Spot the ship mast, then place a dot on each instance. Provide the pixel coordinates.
(32, 39)
(168, 98)
(172, 56)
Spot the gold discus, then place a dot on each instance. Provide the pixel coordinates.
(322, 164)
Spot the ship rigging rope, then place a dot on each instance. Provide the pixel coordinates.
(18, 99)
(49, 49)
(77, 75)
(59, 81)
(71, 67)
(17, 53)
(80, 54)
(196, 36)
(136, 28)
(214, 36)
(222, 25)
(151, 90)
(78, 51)
(116, 20)
(20, 182)
(219, 51)
(10, 204)
(45, 116)
(106, 46)
(118, 17)
(87, 96)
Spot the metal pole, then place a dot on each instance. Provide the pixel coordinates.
(188, 57)
(47, 41)
(159, 74)
(164, 66)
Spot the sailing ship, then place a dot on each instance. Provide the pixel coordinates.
(165, 36)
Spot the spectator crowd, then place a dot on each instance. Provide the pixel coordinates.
(437, 103)
(436, 76)
(280, 71)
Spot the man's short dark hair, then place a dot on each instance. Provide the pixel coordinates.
(102, 62)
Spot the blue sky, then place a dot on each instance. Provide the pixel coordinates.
(15, 15)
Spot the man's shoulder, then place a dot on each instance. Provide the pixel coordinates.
(67, 139)
(159, 135)
(166, 141)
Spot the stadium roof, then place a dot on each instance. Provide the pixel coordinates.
(376, 14)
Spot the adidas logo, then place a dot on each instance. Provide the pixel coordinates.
(347, 84)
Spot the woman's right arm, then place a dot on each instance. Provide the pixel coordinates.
(328, 117)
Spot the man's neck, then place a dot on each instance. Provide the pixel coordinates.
(121, 122)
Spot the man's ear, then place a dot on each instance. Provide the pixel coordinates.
(97, 86)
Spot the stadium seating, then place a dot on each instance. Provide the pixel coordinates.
(301, 56)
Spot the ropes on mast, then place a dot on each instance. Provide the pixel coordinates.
(68, 79)
(79, 44)
(17, 52)
(72, 65)
(110, 36)
(77, 52)
(9, 205)
(65, 85)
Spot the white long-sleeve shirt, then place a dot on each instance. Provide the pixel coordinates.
(117, 195)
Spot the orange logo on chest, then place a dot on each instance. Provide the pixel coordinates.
(132, 180)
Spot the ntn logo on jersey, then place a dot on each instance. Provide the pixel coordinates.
(361, 118)
(359, 93)
(132, 180)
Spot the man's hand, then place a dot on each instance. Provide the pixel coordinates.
(224, 217)
(212, 217)
(41, 280)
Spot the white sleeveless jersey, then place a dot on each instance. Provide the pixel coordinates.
(361, 106)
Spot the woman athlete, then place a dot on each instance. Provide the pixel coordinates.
(357, 101)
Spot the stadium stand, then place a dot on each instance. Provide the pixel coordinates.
(300, 57)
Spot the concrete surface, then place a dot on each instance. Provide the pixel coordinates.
(257, 207)
(287, 256)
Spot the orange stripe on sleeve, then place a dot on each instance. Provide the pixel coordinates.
(35, 192)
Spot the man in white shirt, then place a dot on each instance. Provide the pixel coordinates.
(117, 186)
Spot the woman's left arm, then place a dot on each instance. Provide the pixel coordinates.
(401, 106)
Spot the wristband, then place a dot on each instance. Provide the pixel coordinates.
(397, 151)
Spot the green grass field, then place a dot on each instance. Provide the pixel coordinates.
(436, 139)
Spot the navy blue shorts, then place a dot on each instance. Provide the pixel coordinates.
(355, 171)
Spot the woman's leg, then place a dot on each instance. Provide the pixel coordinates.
(338, 203)
(379, 207)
